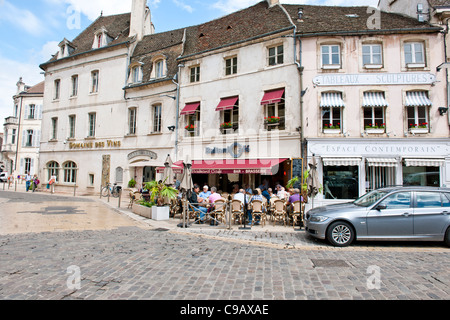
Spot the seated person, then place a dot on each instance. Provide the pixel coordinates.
(214, 195)
(295, 197)
(205, 193)
(196, 203)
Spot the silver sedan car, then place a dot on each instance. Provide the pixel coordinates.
(399, 213)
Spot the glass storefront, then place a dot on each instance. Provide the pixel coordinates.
(340, 182)
(421, 176)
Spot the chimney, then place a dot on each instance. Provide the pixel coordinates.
(20, 86)
(273, 2)
(140, 23)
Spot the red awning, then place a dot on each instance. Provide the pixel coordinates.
(273, 96)
(190, 108)
(227, 103)
(246, 166)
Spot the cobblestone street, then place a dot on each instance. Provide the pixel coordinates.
(146, 261)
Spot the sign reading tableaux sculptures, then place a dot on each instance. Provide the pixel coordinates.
(374, 79)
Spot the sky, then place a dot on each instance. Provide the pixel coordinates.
(32, 29)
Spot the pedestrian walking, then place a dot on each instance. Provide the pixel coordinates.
(28, 179)
(35, 182)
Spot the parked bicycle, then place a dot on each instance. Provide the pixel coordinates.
(111, 190)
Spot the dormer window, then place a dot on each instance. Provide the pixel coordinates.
(159, 68)
(65, 49)
(136, 74)
(101, 39)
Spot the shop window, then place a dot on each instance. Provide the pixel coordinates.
(53, 170)
(70, 172)
(340, 182)
(421, 176)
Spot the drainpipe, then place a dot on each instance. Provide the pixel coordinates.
(18, 135)
(177, 103)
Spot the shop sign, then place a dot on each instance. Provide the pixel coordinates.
(95, 145)
(374, 79)
(233, 171)
(235, 150)
(145, 153)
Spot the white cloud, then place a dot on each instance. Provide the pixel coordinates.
(22, 18)
(183, 6)
(93, 9)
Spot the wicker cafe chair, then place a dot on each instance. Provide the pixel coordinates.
(271, 206)
(237, 210)
(258, 211)
(296, 213)
(279, 211)
(219, 211)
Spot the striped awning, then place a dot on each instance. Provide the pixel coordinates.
(332, 100)
(417, 98)
(424, 162)
(341, 162)
(374, 99)
(381, 162)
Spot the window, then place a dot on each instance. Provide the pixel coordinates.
(74, 92)
(374, 118)
(193, 123)
(340, 182)
(91, 179)
(70, 172)
(159, 69)
(13, 136)
(136, 73)
(428, 200)
(331, 118)
(274, 115)
(94, 81)
(92, 120)
(401, 200)
(417, 117)
(276, 55)
(57, 88)
(28, 165)
(372, 55)
(230, 120)
(195, 74)
(31, 111)
(421, 176)
(99, 40)
(230, 66)
(157, 117)
(29, 138)
(72, 122)
(53, 170)
(446, 200)
(132, 121)
(331, 56)
(414, 54)
(54, 133)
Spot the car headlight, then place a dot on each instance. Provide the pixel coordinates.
(318, 218)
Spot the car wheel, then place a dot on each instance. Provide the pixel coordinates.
(447, 237)
(340, 234)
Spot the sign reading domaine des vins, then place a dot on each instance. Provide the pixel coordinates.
(374, 79)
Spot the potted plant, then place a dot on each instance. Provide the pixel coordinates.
(131, 183)
(272, 120)
(143, 208)
(159, 192)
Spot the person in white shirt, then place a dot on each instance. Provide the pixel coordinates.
(28, 178)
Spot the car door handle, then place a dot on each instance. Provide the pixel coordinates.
(444, 212)
(406, 214)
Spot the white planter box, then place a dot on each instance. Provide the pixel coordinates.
(375, 131)
(332, 131)
(142, 211)
(419, 130)
(160, 213)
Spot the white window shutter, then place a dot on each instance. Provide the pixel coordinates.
(24, 138)
(40, 112)
(27, 111)
(32, 167)
(21, 166)
(38, 138)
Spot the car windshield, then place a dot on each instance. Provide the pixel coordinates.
(370, 198)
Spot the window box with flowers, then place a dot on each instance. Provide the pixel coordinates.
(329, 128)
(419, 128)
(271, 122)
(376, 128)
(190, 129)
(227, 127)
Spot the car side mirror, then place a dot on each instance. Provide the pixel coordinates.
(381, 207)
